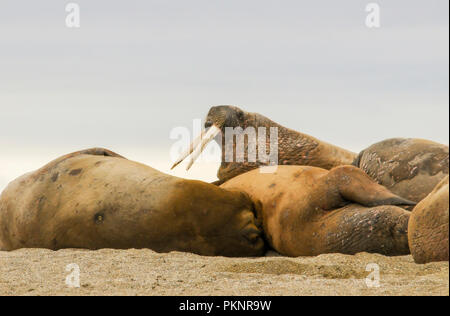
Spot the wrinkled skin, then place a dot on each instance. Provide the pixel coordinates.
(294, 148)
(308, 211)
(97, 199)
(410, 168)
(428, 226)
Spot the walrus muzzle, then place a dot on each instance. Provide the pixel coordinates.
(197, 146)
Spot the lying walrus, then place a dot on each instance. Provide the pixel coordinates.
(97, 199)
(408, 167)
(309, 211)
(428, 226)
(294, 148)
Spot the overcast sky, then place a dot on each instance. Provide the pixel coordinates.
(135, 70)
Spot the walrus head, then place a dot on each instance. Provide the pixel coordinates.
(242, 234)
(218, 118)
(222, 116)
(293, 148)
(226, 223)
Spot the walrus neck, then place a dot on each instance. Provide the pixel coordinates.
(295, 148)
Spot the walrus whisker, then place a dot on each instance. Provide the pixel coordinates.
(213, 131)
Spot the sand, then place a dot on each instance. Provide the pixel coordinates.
(144, 272)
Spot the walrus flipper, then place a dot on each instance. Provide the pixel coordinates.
(355, 185)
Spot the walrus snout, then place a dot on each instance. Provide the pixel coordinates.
(252, 234)
(253, 237)
(251, 216)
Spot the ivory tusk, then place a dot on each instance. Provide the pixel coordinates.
(190, 149)
(212, 132)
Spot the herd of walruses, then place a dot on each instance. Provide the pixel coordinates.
(392, 199)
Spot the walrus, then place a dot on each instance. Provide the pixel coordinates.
(408, 167)
(294, 148)
(428, 226)
(96, 199)
(308, 211)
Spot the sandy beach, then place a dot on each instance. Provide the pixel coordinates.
(144, 272)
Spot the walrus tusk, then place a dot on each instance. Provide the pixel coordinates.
(197, 145)
(210, 134)
(190, 149)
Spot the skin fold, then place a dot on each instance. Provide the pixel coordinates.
(97, 199)
(308, 211)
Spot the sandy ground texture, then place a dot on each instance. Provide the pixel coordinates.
(144, 272)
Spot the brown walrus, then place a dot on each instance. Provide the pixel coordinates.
(308, 211)
(294, 148)
(408, 167)
(428, 226)
(97, 199)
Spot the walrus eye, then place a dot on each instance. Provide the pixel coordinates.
(240, 115)
(197, 146)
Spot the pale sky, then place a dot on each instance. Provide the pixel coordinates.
(135, 70)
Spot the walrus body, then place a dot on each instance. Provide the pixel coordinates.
(294, 148)
(428, 226)
(410, 168)
(307, 211)
(97, 199)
